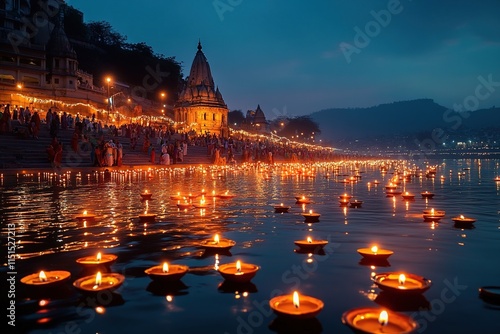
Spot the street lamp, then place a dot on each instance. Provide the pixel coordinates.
(108, 80)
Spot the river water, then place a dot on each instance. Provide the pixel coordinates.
(42, 208)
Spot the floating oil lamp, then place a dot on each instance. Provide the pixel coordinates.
(166, 272)
(218, 243)
(407, 196)
(393, 192)
(184, 205)
(344, 202)
(99, 282)
(281, 208)
(375, 253)
(98, 260)
(46, 278)
(497, 179)
(226, 195)
(427, 194)
(401, 283)
(295, 306)
(177, 197)
(390, 186)
(311, 245)
(311, 216)
(435, 213)
(490, 294)
(356, 203)
(376, 182)
(463, 221)
(238, 272)
(146, 195)
(377, 320)
(147, 217)
(302, 200)
(345, 197)
(85, 216)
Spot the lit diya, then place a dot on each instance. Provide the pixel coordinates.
(218, 243)
(295, 306)
(184, 205)
(146, 195)
(302, 200)
(311, 216)
(375, 253)
(238, 272)
(98, 260)
(390, 186)
(433, 215)
(408, 196)
(99, 282)
(376, 320)
(226, 195)
(166, 272)
(310, 244)
(344, 202)
(177, 197)
(281, 208)
(356, 203)
(490, 294)
(345, 197)
(393, 192)
(85, 216)
(463, 221)
(401, 283)
(46, 278)
(427, 194)
(147, 217)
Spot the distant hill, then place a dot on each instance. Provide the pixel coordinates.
(399, 118)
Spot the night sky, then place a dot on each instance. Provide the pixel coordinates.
(295, 58)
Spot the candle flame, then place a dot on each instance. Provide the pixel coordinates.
(407, 193)
(383, 318)
(432, 211)
(402, 279)
(310, 211)
(281, 204)
(146, 191)
(98, 278)
(238, 266)
(216, 239)
(42, 277)
(296, 302)
(85, 212)
(374, 249)
(462, 217)
(98, 257)
(309, 240)
(165, 267)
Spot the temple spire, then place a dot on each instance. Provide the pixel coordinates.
(199, 45)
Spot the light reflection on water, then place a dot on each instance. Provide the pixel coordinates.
(44, 206)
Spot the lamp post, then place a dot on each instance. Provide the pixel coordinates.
(108, 80)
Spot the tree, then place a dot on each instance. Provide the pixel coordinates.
(235, 117)
(101, 33)
(302, 128)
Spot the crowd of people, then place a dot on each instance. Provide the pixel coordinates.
(160, 143)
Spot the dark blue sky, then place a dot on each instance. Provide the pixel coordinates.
(295, 57)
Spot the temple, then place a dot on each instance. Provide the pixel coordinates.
(200, 107)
